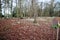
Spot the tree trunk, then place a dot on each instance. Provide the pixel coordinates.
(34, 9)
(11, 7)
(16, 8)
(57, 33)
(0, 10)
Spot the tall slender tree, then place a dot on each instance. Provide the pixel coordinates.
(20, 6)
(51, 11)
(6, 7)
(34, 7)
(11, 7)
(0, 9)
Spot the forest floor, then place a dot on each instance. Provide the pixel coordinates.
(25, 29)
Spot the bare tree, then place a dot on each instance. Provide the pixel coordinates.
(51, 11)
(0, 9)
(41, 5)
(34, 9)
(11, 7)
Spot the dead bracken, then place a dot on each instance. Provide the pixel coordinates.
(26, 30)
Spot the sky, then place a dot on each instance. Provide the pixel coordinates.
(44, 0)
(41, 1)
(47, 0)
(58, 0)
